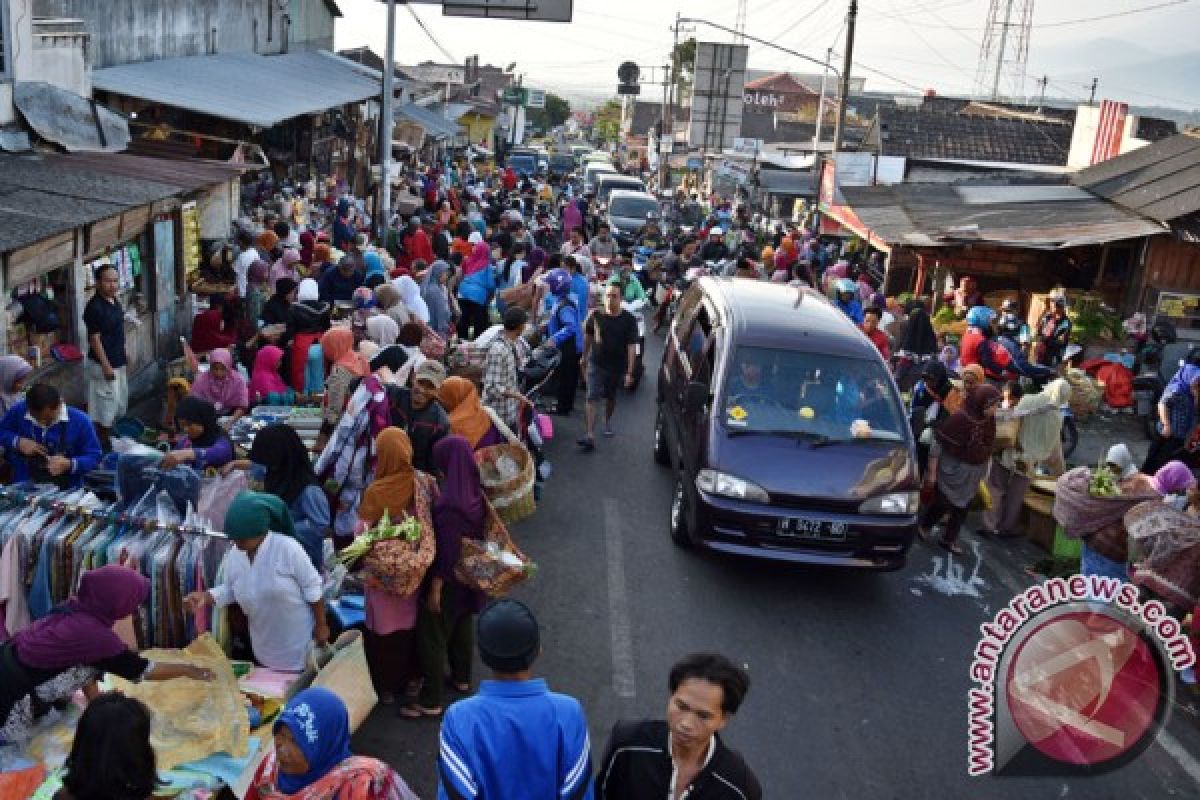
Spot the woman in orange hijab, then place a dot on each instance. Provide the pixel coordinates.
(391, 619)
(468, 417)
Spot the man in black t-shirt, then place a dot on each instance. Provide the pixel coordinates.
(610, 337)
(104, 319)
(418, 412)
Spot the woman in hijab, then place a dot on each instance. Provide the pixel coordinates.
(322, 259)
(204, 443)
(919, 338)
(223, 386)
(481, 256)
(308, 319)
(308, 243)
(343, 227)
(445, 622)
(311, 759)
(257, 278)
(410, 294)
(388, 298)
(289, 476)
(382, 330)
(436, 297)
(266, 384)
(285, 267)
(1037, 422)
(73, 645)
(270, 576)
(961, 452)
(374, 264)
(347, 366)
(13, 372)
(209, 330)
(468, 418)
(267, 243)
(535, 266)
(390, 618)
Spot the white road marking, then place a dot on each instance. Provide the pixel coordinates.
(624, 681)
(1182, 757)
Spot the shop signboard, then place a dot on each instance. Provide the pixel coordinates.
(717, 95)
(190, 215)
(514, 96)
(540, 10)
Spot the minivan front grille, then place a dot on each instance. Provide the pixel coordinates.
(819, 504)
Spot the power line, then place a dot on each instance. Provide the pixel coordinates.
(1125, 13)
(432, 38)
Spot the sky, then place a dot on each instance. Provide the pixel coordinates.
(1146, 58)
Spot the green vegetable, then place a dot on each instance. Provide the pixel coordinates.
(1103, 483)
(409, 529)
(944, 315)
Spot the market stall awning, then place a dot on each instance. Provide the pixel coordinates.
(937, 215)
(243, 87)
(436, 126)
(786, 182)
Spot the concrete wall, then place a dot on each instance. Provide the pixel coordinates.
(129, 31)
(62, 61)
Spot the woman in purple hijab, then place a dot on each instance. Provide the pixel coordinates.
(445, 622)
(70, 647)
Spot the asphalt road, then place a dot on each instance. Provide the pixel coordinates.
(859, 680)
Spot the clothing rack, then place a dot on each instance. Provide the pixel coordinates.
(145, 523)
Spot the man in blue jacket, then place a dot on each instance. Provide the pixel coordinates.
(515, 739)
(47, 441)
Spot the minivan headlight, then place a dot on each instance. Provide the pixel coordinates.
(719, 483)
(892, 503)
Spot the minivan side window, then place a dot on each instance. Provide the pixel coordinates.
(695, 345)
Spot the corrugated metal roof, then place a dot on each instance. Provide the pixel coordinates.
(1160, 180)
(935, 216)
(189, 174)
(782, 181)
(70, 120)
(44, 195)
(435, 124)
(243, 87)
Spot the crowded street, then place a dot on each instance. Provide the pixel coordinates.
(858, 679)
(506, 400)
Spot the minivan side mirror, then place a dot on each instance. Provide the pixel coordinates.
(695, 397)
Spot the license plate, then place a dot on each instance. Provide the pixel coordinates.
(813, 529)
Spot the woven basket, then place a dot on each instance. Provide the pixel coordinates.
(397, 565)
(478, 570)
(510, 492)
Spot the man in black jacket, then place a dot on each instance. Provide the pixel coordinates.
(683, 755)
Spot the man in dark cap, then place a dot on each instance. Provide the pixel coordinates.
(516, 738)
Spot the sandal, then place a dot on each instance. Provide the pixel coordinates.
(952, 547)
(417, 711)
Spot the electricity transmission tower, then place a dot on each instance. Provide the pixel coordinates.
(1004, 50)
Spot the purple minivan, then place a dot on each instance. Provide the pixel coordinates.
(785, 430)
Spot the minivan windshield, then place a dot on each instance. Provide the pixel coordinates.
(632, 207)
(825, 397)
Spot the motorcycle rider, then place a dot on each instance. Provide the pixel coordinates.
(650, 235)
(603, 245)
(624, 278)
(1010, 324)
(577, 246)
(714, 249)
(846, 299)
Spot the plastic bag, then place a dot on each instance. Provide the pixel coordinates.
(216, 495)
(129, 447)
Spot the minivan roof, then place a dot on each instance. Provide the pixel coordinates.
(774, 315)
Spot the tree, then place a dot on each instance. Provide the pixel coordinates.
(683, 62)
(606, 123)
(555, 113)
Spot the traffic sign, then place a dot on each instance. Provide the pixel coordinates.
(535, 98)
(515, 96)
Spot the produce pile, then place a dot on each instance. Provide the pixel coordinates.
(1103, 483)
(409, 529)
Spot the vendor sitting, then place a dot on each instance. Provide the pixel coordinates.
(47, 441)
(72, 646)
(271, 578)
(213, 328)
(204, 444)
(223, 386)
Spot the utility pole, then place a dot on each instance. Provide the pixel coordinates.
(821, 102)
(840, 125)
(672, 100)
(1042, 81)
(1092, 96)
(384, 217)
(665, 135)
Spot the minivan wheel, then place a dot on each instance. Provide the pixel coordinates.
(679, 526)
(662, 454)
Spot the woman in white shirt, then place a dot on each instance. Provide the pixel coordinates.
(271, 578)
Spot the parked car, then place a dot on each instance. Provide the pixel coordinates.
(626, 214)
(562, 164)
(785, 430)
(524, 164)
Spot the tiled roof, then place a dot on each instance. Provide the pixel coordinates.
(1160, 181)
(781, 82)
(935, 135)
